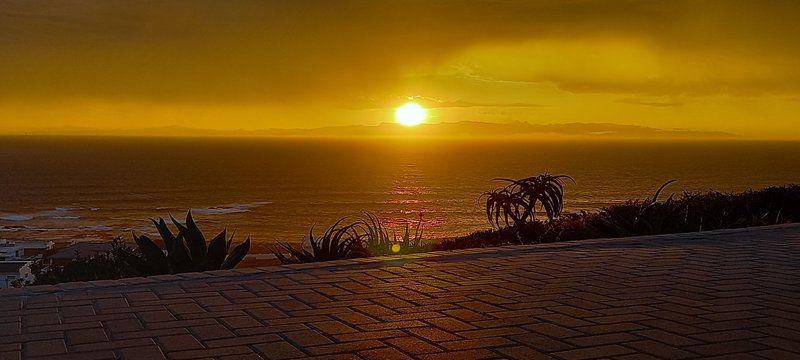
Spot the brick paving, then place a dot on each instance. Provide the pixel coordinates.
(726, 294)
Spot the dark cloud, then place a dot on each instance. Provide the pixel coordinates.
(292, 50)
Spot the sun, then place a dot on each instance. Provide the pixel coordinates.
(410, 114)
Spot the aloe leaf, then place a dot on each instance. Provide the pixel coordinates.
(216, 252)
(179, 256)
(237, 255)
(658, 192)
(195, 239)
(164, 231)
(230, 241)
(279, 254)
(153, 254)
(181, 227)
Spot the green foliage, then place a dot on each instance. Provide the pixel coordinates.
(515, 204)
(105, 266)
(186, 251)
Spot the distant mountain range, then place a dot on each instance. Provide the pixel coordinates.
(463, 129)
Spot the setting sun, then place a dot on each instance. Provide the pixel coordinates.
(411, 114)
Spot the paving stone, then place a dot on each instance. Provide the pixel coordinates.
(178, 342)
(413, 345)
(541, 342)
(660, 350)
(595, 340)
(721, 294)
(523, 353)
(279, 350)
(462, 354)
(383, 354)
(603, 351)
(142, 352)
(488, 342)
(44, 348)
(307, 338)
(433, 334)
(84, 336)
(333, 327)
(211, 332)
(347, 347)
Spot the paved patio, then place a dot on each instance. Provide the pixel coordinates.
(732, 293)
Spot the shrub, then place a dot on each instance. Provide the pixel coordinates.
(185, 252)
(104, 266)
(648, 216)
(687, 213)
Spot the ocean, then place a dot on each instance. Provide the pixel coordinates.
(96, 188)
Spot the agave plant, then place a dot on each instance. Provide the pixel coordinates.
(338, 242)
(186, 251)
(516, 203)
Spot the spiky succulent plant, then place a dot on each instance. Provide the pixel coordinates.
(186, 251)
(338, 242)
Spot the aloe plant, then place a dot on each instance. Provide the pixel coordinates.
(376, 241)
(516, 202)
(649, 216)
(338, 242)
(412, 244)
(186, 251)
(374, 235)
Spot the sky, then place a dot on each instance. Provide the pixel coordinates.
(706, 65)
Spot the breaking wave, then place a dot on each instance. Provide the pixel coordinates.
(229, 209)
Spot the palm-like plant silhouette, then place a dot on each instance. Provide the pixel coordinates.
(516, 203)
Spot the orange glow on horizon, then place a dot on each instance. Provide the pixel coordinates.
(128, 67)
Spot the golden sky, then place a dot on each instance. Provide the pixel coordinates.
(115, 64)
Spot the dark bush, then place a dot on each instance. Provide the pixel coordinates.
(688, 213)
(104, 266)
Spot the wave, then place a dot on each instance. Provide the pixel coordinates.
(90, 228)
(17, 217)
(59, 213)
(229, 209)
(96, 228)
